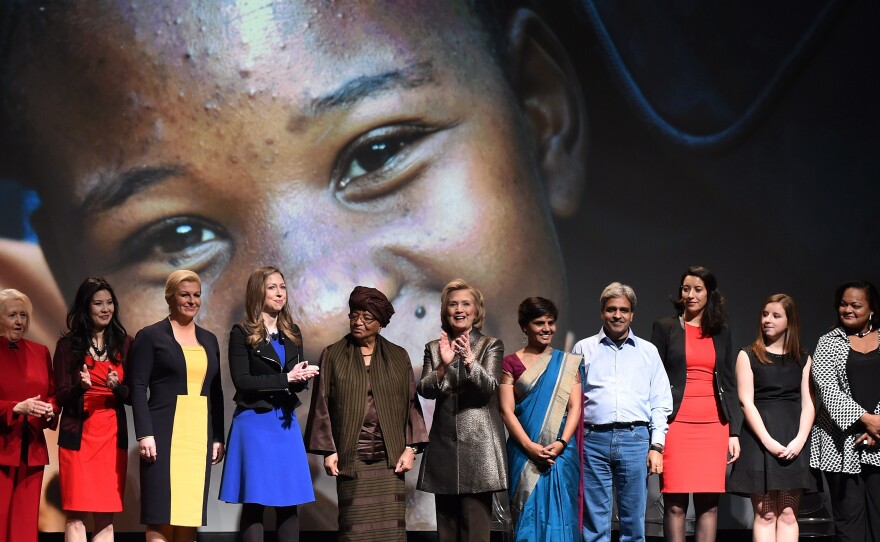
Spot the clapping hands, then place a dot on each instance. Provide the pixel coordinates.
(302, 372)
(460, 346)
(112, 379)
(35, 407)
(85, 379)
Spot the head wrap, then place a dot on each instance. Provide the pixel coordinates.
(373, 301)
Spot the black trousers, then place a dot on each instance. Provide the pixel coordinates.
(855, 501)
(464, 518)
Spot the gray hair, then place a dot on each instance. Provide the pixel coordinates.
(11, 294)
(616, 289)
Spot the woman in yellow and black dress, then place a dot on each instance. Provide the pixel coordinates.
(180, 428)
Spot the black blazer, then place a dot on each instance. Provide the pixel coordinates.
(71, 395)
(668, 337)
(156, 362)
(259, 376)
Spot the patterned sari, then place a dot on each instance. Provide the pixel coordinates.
(546, 503)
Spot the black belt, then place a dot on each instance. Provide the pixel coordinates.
(615, 425)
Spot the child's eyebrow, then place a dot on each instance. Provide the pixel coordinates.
(115, 189)
(366, 86)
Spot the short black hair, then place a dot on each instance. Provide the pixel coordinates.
(535, 307)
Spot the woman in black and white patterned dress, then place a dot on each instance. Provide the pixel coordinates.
(846, 370)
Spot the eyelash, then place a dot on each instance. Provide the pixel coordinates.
(171, 240)
(388, 145)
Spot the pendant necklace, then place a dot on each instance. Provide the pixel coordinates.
(99, 353)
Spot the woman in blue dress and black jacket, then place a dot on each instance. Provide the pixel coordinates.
(265, 360)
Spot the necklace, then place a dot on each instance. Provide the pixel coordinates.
(863, 334)
(99, 353)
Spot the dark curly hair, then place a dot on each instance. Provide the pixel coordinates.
(870, 292)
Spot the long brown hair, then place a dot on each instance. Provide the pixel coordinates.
(792, 344)
(253, 307)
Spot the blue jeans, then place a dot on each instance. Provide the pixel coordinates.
(615, 457)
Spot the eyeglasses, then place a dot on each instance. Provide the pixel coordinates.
(365, 317)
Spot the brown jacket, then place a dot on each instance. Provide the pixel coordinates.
(339, 401)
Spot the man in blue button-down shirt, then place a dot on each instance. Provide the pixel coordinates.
(626, 404)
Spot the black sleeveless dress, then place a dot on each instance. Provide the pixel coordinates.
(778, 400)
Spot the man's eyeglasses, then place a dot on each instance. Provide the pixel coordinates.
(365, 317)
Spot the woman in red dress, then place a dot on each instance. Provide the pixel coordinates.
(27, 397)
(93, 437)
(706, 417)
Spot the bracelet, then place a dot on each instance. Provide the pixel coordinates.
(414, 449)
(561, 440)
(656, 448)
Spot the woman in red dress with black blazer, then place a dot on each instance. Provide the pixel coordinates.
(27, 406)
(89, 368)
(706, 416)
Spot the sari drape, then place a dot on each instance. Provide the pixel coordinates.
(545, 503)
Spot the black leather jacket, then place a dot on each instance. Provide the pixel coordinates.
(259, 376)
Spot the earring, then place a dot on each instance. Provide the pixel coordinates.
(525, 339)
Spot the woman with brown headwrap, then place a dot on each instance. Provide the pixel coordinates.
(366, 421)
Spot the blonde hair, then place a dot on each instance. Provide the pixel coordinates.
(11, 294)
(174, 280)
(454, 286)
(253, 307)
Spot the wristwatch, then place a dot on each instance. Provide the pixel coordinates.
(657, 448)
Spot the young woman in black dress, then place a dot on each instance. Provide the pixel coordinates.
(773, 384)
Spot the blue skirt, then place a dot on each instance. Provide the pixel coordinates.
(266, 460)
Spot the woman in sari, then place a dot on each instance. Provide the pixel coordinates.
(540, 397)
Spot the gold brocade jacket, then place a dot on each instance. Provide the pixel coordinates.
(466, 451)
